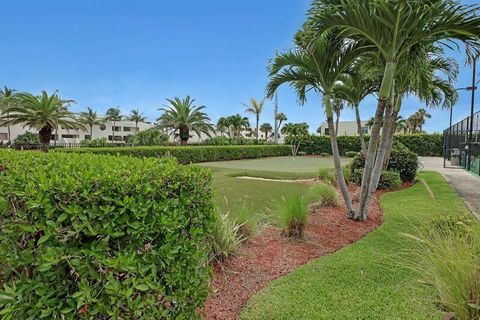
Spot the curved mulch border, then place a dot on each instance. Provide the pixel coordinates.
(270, 255)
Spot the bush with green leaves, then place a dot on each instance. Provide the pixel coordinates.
(325, 155)
(402, 160)
(95, 143)
(149, 137)
(351, 154)
(293, 213)
(226, 236)
(425, 145)
(446, 256)
(28, 138)
(100, 237)
(192, 154)
(389, 180)
(325, 195)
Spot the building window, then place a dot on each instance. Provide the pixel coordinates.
(125, 138)
(117, 129)
(365, 130)
(117, 138)
(3, 136)
(327, 132)
(70, 136)
(88, 137)
(127, 129)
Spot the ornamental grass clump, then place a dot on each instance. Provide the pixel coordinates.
(325, 195)
(87, 236)
(293, 214)
(446, 256)
(226, 236)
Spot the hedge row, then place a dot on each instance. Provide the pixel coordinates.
(94, 237)
(421, 144)
(194, 154)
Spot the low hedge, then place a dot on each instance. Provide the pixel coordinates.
(389, 180)
(421, 144)
(193, 154)
(94, 237)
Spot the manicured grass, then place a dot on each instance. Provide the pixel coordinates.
(365, 280)
(261, 198)
(278, 164)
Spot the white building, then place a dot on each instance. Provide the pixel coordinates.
(345, 128)
(118, 133)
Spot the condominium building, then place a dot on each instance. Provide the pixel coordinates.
(117, 132)
(345, 128)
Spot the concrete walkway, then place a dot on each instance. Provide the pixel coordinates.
(465, 183)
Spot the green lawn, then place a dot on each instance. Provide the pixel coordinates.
(262, 197)
(364, 280)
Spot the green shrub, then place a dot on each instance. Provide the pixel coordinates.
(95, 143)
(389, 180)
(193, 154)
(449, 261)
(402, 161)
(293, 213)
(99, 237)
(301, 153)
(28, 138)
(326, 195)
(226, 236)
(351, 154)
(325, 155)
(149, 137)
(421, 144)
(328, 175)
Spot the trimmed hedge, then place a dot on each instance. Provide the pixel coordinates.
(421, 144)
(97, 237)
(193, 154)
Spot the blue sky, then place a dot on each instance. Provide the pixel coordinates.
(138, 53)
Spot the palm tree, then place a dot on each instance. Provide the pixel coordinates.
(90, 119)
(136, 116)
(223, 126)
(183, 116)
(391, 30)
(114, 115)
(266, 128)
(317, 68)
(337, 107)
(401, 124)
(422, 115)
(370, 122)
(8, 97)
(255, 108)
(237, 123)
(45, 113)
(281, 118)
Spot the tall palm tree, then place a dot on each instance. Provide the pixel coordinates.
(136, 116)
(317, 68)
(266, 128)
(237, 123)
(337, 107)
(8, 97)
(422, 115)
(223, 126)
(401, 124)
(183, 116)
(90, 118)
(114, 115)
(392, 29)
(44, 112)
(255, 107)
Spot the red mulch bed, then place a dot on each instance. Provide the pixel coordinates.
(270, 255)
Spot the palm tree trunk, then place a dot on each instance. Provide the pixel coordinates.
(9, 134)
(336, 124)
(384, 94)
(258, 120)
(336, 158)
(360, 131)
(113, 132)
(45, 135)
(91, 132)
(393, 129)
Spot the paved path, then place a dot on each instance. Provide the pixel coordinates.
(465, 183)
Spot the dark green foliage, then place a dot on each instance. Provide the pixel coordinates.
(403, 161)
(28, 138)
(325, 154)
(351, 154)
(149, 137)
(225, 141)
(97, 237)
(95, 143)
(426, 145)
(389, 180)
(193, 154)
(422, 144)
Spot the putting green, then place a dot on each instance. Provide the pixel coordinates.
(278, 164)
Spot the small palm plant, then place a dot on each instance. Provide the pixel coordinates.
(294, 215)
(8, 97)
(114, 115)
(44, 113)
(137, 117)
(184, 116)
(266, 128)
